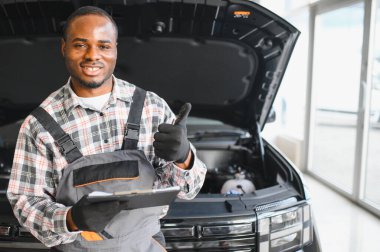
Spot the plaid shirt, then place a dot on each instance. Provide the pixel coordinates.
(38, 163)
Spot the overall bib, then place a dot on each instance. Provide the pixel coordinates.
(122, 170)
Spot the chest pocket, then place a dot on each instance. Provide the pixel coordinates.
(92, 174)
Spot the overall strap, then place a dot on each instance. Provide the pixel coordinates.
(62, 139)
(132, 130)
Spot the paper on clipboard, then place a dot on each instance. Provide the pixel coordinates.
(138, 198)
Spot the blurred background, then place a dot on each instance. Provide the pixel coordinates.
(328, 115)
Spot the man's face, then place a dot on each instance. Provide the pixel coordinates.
(90, 50)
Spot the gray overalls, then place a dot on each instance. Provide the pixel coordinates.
(122, 170)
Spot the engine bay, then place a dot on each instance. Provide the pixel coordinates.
(233, 165)
(235, 170)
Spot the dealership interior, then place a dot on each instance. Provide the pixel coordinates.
(328, 115)
(325, 118)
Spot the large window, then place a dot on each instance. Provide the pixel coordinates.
(291, 112)
(336, 83)
(372, 192)
(336, 94)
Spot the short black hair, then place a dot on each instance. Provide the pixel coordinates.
(87, 10)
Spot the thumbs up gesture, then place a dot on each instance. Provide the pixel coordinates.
(170, 142)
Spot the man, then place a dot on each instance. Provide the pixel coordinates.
(98, 133)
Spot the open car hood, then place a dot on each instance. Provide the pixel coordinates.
(225, 57)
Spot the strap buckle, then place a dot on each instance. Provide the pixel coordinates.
(66, 144)
(132, 131)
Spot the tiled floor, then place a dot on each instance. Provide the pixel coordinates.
(342, 225)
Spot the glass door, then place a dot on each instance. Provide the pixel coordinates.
(372, 178)
(336, 83)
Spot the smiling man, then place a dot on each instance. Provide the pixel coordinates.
(98, 133)
(89, 48)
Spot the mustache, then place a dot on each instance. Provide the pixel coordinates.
(88, 63)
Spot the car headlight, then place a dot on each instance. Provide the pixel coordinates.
(284, 230)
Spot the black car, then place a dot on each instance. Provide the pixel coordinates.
(225, 57)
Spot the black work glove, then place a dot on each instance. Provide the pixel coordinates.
(170, 142)
(94, 216)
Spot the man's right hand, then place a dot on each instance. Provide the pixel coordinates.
(89, 216)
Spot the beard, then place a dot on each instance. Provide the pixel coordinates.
(91, 84)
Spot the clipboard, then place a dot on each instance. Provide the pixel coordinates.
(138, 198)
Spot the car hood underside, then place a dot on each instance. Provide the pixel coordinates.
(225, 57)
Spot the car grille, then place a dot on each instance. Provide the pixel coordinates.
(229, 237)
(242, 244)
